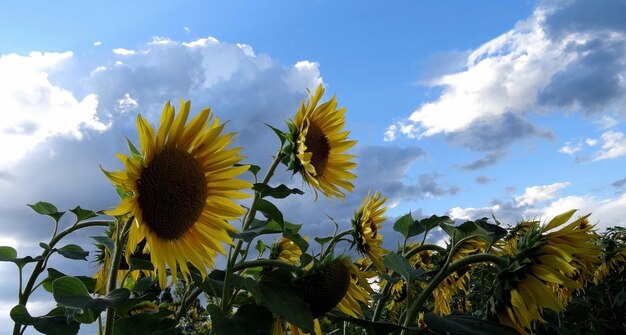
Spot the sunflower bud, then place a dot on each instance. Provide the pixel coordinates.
(324, 288)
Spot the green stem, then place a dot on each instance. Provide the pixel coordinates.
(423, 247)
(41, 264)
(265, 263)
(334, 241)
(445, 271)
(383, 300)
(247, 221)
(120, 243)
(190, 297)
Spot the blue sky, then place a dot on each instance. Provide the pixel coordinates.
(514, 108)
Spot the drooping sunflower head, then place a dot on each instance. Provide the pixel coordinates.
(545, 263)
(319, 146)
(366, 227)
(287, 251)
(359, 293)
(180, 188)
(325, 286)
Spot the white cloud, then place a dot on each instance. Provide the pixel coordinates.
(613, 146)
(126, 104)
(124, 52)
(471, 213)
(591, 142)
(36, 109)
(186, 29)
(97, 43)
(570, 149)
(535, 194)
(202, 42)
(536, 67)
(604, 212)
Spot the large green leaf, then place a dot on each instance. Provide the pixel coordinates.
(106, 241)
(7, 254)
(282, 298)
(409, 227)
(249, 319)
(400, 265)
(46, 208)
(54, 323)
(72, 293)
(270, 211)
(145, 324)
(54, 274)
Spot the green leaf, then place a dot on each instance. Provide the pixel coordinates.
(270, 211)
(25, 260)
(254, 169)
(282, 298)
(71, 292)
(46, 208)
(143, 284)
(296, 238)
(258, 228)
(405, 225)
(495, 232)
(280, 192)
(83, 214)
(73, 251)
(281, 135)
(44, 246)
(106, 241)
(400, 265)
(140, 264)
(260, 247)
(432, 222)
(54, 323)
(465, 324)
(145, 323)
(323, 240)
(7, 254)
(249, 319)
(133, 150)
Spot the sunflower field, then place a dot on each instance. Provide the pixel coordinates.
(198, 245)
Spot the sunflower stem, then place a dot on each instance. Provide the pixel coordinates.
(41, 264)
(247, 221)
(334, 241)
(446, 270)
(120, 243)
(265, 263)
(189, 298)
(419, 248)
(379, 305)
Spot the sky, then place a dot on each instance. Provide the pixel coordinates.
(511, 108)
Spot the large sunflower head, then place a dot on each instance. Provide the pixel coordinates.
(544, 262)
(325, 285)
(319, 144)
(366, 229)
(359, 293)
(180, 188)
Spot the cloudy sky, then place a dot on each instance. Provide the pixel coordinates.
(514, 109)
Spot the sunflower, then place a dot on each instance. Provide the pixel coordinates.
(359, 293)
(614, 255)
(319, 144)
(366, 225)
(180, 190)
(544, 259)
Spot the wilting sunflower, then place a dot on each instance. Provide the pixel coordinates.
(319, 144)
(180, 189)
(359, 293)
(366, 225)
(614, 255)
(544, 259)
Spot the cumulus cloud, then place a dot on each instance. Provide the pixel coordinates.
(543, 65)
(35, 109)
(613, 146)
(536, 194)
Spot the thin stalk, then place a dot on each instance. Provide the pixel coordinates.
(445, 271)
(190, 297)
(264, 263)
(120, 243)
(334, 241)
(247, 221)
(41, 264)
(379, 305)
(423, 247)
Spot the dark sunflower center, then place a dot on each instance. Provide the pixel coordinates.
(317, 144)
(373, 228)
(172, 193)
